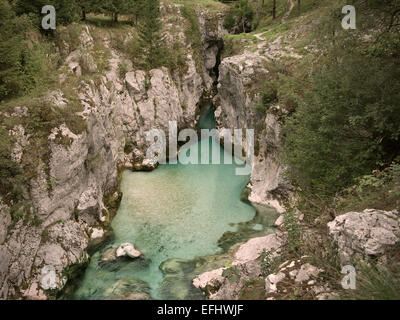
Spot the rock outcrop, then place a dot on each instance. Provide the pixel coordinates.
(367, 233)
(226, 283)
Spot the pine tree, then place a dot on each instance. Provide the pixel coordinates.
(151, 46)
(117, 7)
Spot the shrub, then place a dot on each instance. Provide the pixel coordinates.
(23, 58)
(346, 125)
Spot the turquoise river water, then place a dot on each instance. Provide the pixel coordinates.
(174, 212)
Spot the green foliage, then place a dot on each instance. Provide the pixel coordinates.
(176, 58)
(266, 262)
(232, 274)
(379, 190)
(240, 17)
(70, 36)
(68, 11)
(193, 34)
(122, 69)
(268, 97)
(346, 125)
(9, 170)
(151, 47)
(229, 21)
(24, 63)
(293, 228)
(375, 282)
(115, 7)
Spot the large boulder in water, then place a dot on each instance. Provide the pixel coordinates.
(124, 250)
(128, 249)
(115, 258)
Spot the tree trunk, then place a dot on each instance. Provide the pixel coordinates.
(83, 14)
(298, 6)
(274, 10)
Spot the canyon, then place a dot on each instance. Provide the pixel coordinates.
(85, 173)
(115, 224)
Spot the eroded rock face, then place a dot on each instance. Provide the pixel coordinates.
(211, 279)
(239, 87)
(212, 33)
(367, 233)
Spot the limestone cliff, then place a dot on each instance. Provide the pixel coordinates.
(238, 92)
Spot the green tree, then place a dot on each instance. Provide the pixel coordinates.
(22, 59)
(346, 125)
(151, 46)
(117, 7)
(241, 15)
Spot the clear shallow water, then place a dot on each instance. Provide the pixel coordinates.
(176, 211)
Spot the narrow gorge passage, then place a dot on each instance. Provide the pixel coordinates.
(175, 212)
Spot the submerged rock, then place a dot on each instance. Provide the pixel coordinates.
(109, 255)
(177, 287)
(133, 296)
(127, 287)
(177, 266)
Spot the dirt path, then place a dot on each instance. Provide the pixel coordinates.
(287, 14)
(276, 48)
(284, 18)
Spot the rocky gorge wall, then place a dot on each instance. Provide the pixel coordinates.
(238, 93)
